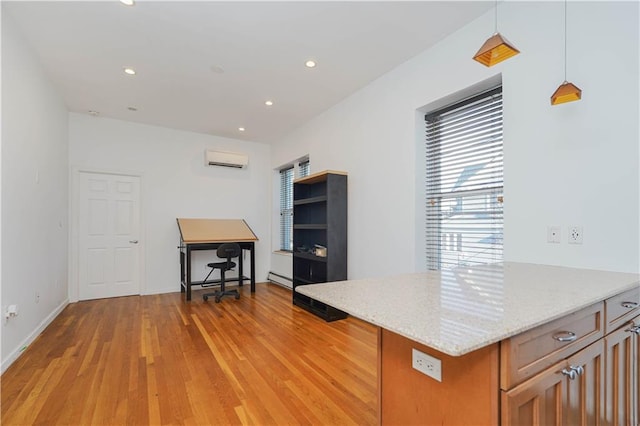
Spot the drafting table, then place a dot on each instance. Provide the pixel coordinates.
(209, 234)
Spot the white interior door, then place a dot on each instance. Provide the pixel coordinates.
(109, 232)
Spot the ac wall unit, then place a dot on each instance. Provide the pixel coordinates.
(226, 159)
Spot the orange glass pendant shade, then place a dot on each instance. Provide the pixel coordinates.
(496, 49)
(567, 92)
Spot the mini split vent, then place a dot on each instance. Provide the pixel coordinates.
(226, 159)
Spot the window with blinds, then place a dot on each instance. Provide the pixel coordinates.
(287, 176)
(303, 168)
(464, 182)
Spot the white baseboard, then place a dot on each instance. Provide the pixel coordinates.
(280, 280)
(172, 289)
(15, 354)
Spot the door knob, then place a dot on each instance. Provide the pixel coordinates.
(633, 328)
(133, 241)
(572, 374)
(573, 371)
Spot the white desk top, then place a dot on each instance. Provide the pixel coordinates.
(461, 310)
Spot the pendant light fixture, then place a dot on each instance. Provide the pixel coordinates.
(566, 92)
(497, 48)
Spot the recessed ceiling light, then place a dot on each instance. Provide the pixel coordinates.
(128, 2)
(132, 108)
(268, 103)
(129, 71)
(310, 63)
(93, 113)
(241, 129)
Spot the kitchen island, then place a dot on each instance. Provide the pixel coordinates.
(498, 330)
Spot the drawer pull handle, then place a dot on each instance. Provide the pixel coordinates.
(565, 336)
(630, 305)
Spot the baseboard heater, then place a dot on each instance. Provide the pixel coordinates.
(280, 280)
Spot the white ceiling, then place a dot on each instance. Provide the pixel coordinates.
(261, 46)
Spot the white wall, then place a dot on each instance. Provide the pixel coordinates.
(176, 183)
(34, 195)
(573, 164)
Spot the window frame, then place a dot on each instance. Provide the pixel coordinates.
(439, 181)
(297, 169)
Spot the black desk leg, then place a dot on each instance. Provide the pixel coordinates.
(188, 274)
(253, 268)
(240, 269)
(182, 278)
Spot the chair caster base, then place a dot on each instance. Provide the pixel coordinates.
(218, 295)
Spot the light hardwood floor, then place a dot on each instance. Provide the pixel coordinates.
(150, 360)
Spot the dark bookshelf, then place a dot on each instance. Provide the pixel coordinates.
(319, 218)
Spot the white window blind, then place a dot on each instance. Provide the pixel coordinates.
(303, 168)
(286, 209)
(464, 182)
(286, 203)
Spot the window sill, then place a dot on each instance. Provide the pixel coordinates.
(283, 252)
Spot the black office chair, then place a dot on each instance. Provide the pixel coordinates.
(226, 251)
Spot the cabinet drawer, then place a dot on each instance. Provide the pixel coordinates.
(529, 353)
(621, 308)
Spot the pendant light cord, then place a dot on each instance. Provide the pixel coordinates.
(565, 41)
(495, 24)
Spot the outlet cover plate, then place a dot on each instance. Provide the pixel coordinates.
(426, 364)
(575, 235)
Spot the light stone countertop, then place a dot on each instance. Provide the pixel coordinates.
(460, 310)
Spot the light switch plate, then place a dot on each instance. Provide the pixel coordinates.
(553, 234)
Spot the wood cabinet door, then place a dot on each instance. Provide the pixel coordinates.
(621, 376)
(585, 392)
(537, 402)
(553, 398)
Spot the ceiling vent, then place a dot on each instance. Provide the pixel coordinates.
(226, 159)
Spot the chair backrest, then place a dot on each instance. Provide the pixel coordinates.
(228, 251)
